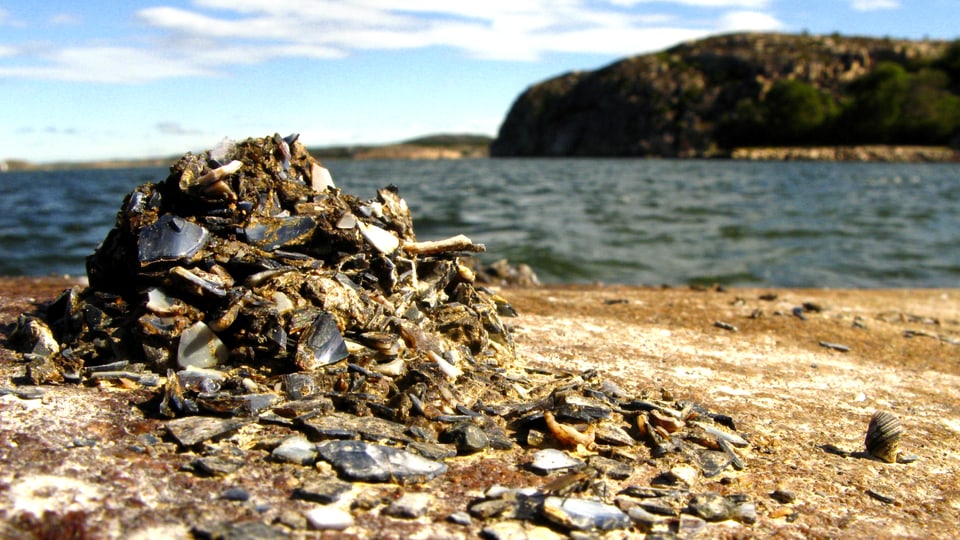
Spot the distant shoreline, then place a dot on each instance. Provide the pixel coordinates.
(439, 146)
(414, 151)
(871, 153)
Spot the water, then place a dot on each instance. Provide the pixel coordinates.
(794, 224)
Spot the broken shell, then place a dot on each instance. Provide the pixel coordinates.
(159, 303)
(385, 241)
(220, 173)
(883, 436)
(447, 368)
(170, 238)
(199, 283)
(271, 233)
(568, 435)
(667, 422)
(320, 179)
(321, 344)
(584, 514)
(32, 335)
(347, 221)
(200, 347)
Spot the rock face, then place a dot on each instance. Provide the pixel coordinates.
(670, 103)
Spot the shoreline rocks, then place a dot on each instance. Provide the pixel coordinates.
(873, 153)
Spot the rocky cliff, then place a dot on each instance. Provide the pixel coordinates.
(671, 103)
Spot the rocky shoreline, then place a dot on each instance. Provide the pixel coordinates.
(874, 153)
(801, 372)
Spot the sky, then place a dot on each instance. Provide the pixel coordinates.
(104, 79)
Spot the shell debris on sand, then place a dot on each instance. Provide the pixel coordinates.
(883, 436)
(253, 291)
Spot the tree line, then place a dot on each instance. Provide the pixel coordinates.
(908, 103)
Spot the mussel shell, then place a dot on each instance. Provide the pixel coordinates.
(321, 344)
(200, 347)
(170, 238)
(270, 233)
(883, 436)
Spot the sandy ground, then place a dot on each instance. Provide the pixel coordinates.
(790, 395)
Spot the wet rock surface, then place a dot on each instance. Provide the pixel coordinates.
(668, 424)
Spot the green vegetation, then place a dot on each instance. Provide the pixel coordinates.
(451, 139)
(897, 102)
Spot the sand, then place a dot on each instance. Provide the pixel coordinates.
(788, 392)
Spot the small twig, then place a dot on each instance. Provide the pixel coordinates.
(454, 243)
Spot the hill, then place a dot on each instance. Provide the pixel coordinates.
(436, 146)
(708, 97)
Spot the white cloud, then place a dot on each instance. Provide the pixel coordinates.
(174, 128)
(500, 29)
(66, 19)
(752, 4)
(749, 20)
(873, 5)
(209, 36)
(108, 64)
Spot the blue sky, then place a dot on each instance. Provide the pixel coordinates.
(107, 79)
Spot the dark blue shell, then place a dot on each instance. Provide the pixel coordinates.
(170, 238)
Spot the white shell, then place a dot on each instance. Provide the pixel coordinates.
(320, 178)
(224, 149)
(160, 304)
(382, 239)
(200, 347)
(282, 302)
(447, 368)
(394, 368)
(347, 221)
(328, 517)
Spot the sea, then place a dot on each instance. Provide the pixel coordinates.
(613, 221)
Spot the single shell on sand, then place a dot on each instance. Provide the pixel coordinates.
(883, 436)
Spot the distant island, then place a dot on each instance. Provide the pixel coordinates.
(436, 146)
(725, 96)
(751, 96)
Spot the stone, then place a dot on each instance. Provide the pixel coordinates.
(328, 518)
(518, 530)
(552, 460)
(432, 451)
(216, 465)
(711, 506)
(357, 460)
(250, 530)
(235, 494)
(297, 450)
(191, 430)
(409, 506)
(468, 437)
(460, 518)
(712, 462)
(322, 490)
(610, 468)
(339, 425)
(745, 512)
(584, 514)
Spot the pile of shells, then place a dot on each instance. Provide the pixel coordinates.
(247, 287)
(249, 256)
